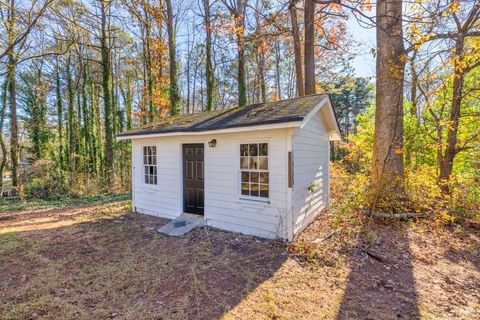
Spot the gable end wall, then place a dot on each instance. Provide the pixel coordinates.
(311, 154)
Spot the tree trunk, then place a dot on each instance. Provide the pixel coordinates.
(188, 68)
(38, 120)
(277, 69)
(148, 66)
(145, 95)
(96, 129)
(208, 51)
(261, 77)
(172, 43)
(297, 50)
(202, 91)
(12, 91)
(119, 120)
(414, 86)
(71, 118)
(194, 88)
(446, 160)
(59, 117)
(95, 134)
(387, 160)
(128, 103)
(261, 63)
(309, 47)
(87, 127)
(79, 141)
(239, 16)
(107, 99)
(3, 146)
(261, 73)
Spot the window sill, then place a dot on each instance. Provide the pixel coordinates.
(148, 188)
(254, 200)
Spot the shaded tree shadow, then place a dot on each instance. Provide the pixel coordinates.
(121, 267)
(381, 283)
(469, 251)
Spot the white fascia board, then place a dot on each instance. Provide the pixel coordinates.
(292, 124)
(313, 112)
(332, 135)
(336, 135)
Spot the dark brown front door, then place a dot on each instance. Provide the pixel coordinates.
(193, 178)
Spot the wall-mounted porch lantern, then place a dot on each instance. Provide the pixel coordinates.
(212, 143)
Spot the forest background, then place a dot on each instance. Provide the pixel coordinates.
(74, 73)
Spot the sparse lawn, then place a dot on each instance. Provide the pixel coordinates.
(15, 204)
(95, 260)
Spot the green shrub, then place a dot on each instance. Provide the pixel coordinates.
(47, 189)
(350, 193)
(43, 181)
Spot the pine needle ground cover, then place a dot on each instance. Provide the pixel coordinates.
(95, 260)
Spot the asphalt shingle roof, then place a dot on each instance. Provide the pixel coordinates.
(256, 114)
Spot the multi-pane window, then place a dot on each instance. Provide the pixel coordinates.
(254, 169)
(150, 164)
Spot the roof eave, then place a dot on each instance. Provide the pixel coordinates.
(281, 125)
(334, 133)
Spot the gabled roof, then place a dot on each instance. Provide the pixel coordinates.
(291, 111)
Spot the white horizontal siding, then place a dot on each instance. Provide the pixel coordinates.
(310, 148)
(223, 207)
(162, 199)
(241, 228)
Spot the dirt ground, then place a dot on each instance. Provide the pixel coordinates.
(100, 262)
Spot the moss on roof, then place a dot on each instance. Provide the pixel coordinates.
(256, 114)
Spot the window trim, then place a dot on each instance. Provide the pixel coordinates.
(150, 165)
(253, 199)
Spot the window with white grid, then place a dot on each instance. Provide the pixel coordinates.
(150, 164)
(254, 170)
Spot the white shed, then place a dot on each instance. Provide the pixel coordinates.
(261, 169)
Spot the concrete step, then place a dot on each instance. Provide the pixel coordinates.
(181, 225)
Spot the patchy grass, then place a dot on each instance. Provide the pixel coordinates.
(10, 243)
(8, 204)
(97, 261)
